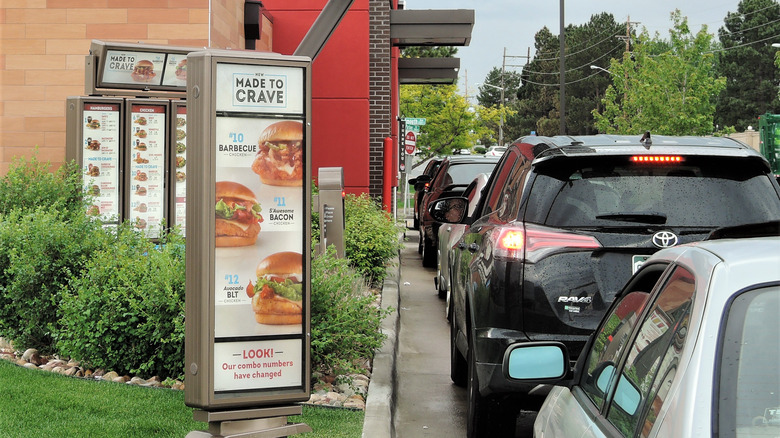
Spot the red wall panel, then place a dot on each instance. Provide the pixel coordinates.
(339, 139)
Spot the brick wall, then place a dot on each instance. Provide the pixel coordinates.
(43, 44)
(380, 125)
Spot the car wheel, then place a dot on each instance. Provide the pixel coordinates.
(485, 417)
(420, 243)
(458, 366)
(416, 224)
(440, 279)
(428, 253)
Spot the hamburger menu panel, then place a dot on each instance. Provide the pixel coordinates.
(179, 163)
(146, 166)
(100, 143)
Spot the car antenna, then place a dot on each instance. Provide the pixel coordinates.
(646, 140)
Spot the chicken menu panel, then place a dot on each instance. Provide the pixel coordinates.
(100, 142)
(147, 167)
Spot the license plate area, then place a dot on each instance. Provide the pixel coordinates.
(637, 261)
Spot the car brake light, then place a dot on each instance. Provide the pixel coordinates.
(532, 244)
(659, 159)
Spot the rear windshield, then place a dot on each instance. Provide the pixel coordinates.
(699, 192)
(464, 173)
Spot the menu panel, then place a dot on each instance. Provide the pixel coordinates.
(101, 150)
(180, 166)
(147, 167)
(133, 68)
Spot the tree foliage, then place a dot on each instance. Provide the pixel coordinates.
(666, 87)
(746, 61)
(538, 107)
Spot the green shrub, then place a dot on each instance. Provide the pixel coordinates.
(41, 249)
(345, 321)
(30, 184)
(126, 312)
(370, 237)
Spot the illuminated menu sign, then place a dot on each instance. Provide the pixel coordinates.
(259, 219)
(100, 143)
(147, 167)
(121, 66)
(180, 168)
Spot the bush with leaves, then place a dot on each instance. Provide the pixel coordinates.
(41, 250)
(370, 237)
(30, 184)
(126, 311)
(345, 318)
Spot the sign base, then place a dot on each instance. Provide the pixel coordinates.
(249, 423)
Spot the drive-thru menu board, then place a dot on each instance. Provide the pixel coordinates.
(146, 169)
(179, 171)
(100, 140)
(256, 198)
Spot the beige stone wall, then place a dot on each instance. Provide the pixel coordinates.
(43, 44)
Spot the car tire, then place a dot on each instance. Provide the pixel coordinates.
(458, 366)
(428, 253)
(485, 417)
(420, 243)
(442, 291)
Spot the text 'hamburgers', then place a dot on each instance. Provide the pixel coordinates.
(277, 296)
(237, 215)
(279, 160)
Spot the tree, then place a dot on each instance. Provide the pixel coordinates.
(451, 122)
(665, 87)
(593, 43)
(746, 61)
(428, 52)
(490, 97)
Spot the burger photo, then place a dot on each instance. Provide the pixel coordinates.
(140, 224)
(93, 124)
(93, 145)
(141, 121)
(94, 190)
(141, 208)
(140, 191)
(140, 176)
(141, 133)
(279, 160)
(93, 210)
(143, 71)
(141, 146)
(237, 212)
(181, 70)
(277, 296)
(93, 170)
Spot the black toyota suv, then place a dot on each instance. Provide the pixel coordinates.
(560, 227)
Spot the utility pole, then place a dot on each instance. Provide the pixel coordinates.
(563, 77)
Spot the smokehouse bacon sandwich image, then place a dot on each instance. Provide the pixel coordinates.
(237, 215)
(279, 160)
(277, 296)
(143, 71)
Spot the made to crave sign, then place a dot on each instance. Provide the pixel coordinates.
(257, 236)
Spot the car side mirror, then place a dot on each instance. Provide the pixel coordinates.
(449, 210)
(422, 179)
(537, 362)
(627, 395)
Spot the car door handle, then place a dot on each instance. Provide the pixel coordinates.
(473, 248)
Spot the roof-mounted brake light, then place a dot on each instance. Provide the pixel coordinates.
(660, 159)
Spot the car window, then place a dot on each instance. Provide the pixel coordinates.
(749, 390)
(609, 343)
(653, 356)
(496, 187)
(463, 173)
(617, 192)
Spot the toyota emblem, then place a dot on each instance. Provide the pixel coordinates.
(664, 239)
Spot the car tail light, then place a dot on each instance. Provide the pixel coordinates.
(531, 243)
(657, 159)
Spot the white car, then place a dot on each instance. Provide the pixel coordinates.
(495, 151)
(691, 347)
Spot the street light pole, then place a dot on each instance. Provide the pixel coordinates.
(501, 114)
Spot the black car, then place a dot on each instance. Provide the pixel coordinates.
(561, 226)
(451, 179)
(420, 184)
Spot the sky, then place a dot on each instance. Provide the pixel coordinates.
(513, 24)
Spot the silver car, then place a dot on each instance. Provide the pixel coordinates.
(691, 347)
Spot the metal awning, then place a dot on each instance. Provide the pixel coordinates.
(428, 70)
(431, 27)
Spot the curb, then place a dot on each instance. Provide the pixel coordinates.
(380, 400)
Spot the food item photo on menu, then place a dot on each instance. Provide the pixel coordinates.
(237, 213)
(277, 296)
(279, 160)
(143, 71)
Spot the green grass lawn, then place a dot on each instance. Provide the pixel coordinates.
(39, 403)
